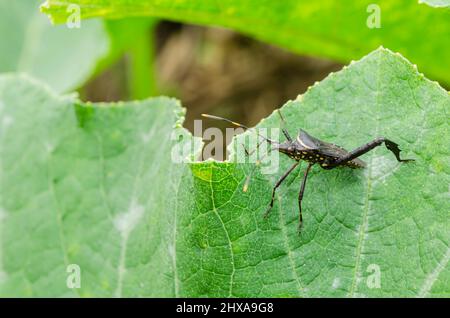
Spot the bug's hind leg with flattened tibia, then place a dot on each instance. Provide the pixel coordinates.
(390, 145)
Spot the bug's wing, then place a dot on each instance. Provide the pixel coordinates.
(328, 149)
(307, 141)
(331, 150)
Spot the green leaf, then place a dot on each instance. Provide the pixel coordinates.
(389, 217)
(95, 185)
(62, 57)
(134, 37)
(332, 29)
(89, 176)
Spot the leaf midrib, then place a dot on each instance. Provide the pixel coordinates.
(230, 243)
(362, 235)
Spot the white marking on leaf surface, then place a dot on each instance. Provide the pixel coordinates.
(3, 275)
(362, 231)
(125, 223)
(2, 214)
(433, 276)
(49, 147)
(383, 168)
(336, 283)
(147, 136)
(7, 121)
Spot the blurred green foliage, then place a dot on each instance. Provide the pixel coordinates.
(340, 30)
(65, 58)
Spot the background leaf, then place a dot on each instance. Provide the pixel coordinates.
(65, 58)
(62, 57)
(134, 37)
(94, 185)
(332, 29)
(436, 3)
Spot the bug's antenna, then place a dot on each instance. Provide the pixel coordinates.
(284, 130)
(270, 141)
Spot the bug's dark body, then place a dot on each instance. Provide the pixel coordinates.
(308, 148)
(329, 156)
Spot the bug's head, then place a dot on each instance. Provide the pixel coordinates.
(287, 147)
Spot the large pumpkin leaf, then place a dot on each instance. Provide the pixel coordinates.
(342, 30)
(92, 185)
(95, 185)
(389, 219)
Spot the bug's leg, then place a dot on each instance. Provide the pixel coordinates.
(393, 147)
(249, 153)
(257, 163)
(247, 180)
(300, 195)
(390, 145)
(283, 177)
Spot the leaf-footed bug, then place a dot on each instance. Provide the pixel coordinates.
(314, 151)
